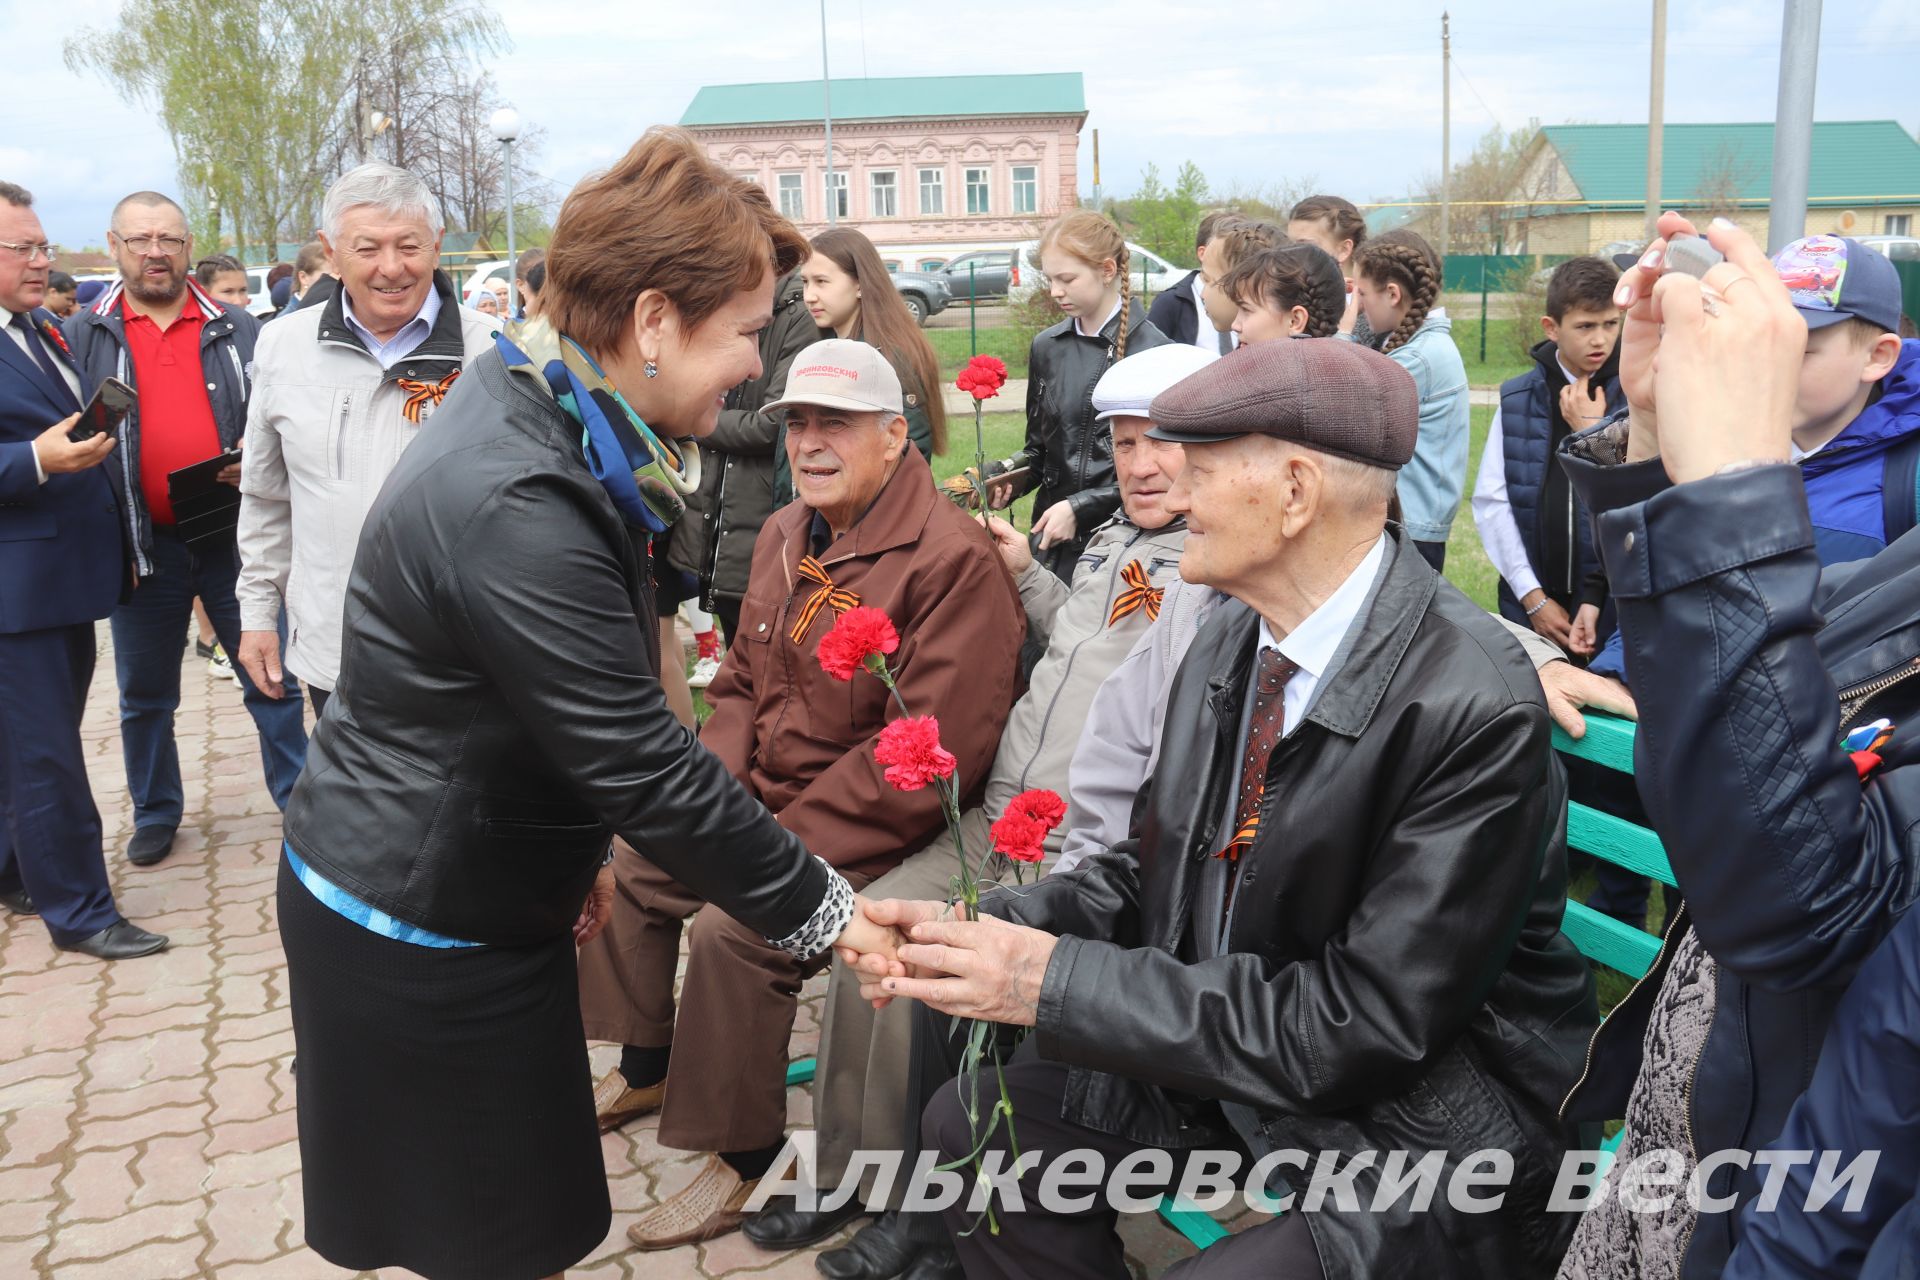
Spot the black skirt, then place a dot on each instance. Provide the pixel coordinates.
(445, 1101)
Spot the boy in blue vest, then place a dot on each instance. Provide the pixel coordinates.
(1532, 526)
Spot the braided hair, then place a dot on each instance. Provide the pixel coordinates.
(1403, 258)
(1292, 275)
(1337, 216)
(1243, 239)
(1094, 239)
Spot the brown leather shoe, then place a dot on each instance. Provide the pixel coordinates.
(712, 1205)
(614, 1103)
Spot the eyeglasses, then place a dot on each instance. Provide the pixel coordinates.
(169, 245)
(28, 251)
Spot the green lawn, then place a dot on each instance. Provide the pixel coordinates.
(953, 349)
(1504, 359)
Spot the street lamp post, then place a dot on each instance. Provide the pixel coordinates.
(506, 127)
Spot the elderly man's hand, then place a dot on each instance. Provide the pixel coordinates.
(1570, 688)
(1056, 525)
(995, 970)
(1012, 545)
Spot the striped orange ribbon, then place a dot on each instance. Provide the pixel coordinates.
(418, 393)
(1140, 594)
(839, 599)
(1244, 834)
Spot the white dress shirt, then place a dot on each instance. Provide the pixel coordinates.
(1080, 327)
(1205, 336)
(66, 372)
(1311, 646)
(1493, 511)
(402, 344)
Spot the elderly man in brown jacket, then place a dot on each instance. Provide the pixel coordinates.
(869, 529)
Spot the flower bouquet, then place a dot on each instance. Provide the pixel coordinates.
(910, 749)
(982, 379)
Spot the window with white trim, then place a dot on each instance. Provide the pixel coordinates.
(977, 201)
(933, 191)
(1026, 188)
(883, 193)
(837, 199)
(793, 196)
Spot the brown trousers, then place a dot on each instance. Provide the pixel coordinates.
(726, 1082)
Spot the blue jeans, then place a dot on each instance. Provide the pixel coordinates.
(149, 643)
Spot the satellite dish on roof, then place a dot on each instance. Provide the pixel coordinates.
(1849, 220)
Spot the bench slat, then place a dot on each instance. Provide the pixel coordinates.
(1617, 841)
(1602, 938)
(1609, 741)
(1199, 1229)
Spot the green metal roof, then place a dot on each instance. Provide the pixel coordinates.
(888, 99)
(1853, 161)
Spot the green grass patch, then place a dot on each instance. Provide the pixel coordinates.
(1467, 565)
(954, 348)
(1506, 357)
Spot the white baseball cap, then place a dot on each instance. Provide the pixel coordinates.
(840, 373)
(1126, 389)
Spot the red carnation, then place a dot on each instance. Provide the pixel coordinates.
(982, 377)
(860, 634)
(1021, 833)
(910, 748)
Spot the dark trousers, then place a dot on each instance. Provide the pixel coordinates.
(1081, 1243)
(727, 609)
(52, 829)
(319, 697)
(149, 641)
(1434, 553)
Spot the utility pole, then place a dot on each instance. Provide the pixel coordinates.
(1446, 134)
(1096, 168)
(1656, 115)
(826, 94)
(1793, 123)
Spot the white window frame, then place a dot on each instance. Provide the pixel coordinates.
(834, 185)
(984, 185)
(796, 208)
(937, 206)
(1030, 186)
(891, 188)
(1899, 224)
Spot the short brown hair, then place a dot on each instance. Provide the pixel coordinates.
(311, 258)
(664, 217)
(1210, 226)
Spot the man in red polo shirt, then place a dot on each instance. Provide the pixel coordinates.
(187, 357)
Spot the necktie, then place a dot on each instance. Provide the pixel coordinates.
(1226, 341)
(38, 350)
(1264, 730)
(827, 595)
(1140, 594)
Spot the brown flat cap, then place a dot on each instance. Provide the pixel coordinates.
(1326, 393)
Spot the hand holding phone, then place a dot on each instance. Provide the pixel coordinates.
(112, 401)
(58, 452)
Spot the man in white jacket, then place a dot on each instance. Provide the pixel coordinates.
(339, 392)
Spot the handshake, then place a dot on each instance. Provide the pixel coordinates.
(986, 968)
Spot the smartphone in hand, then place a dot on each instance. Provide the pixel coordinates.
(112, 401)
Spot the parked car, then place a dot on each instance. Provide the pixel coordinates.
(980, 275)
(482, 273)
(925, 294)
(1898, 248)
(1149, 272)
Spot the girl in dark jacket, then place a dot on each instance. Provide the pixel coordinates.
(1085, 262)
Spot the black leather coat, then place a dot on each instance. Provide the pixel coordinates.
(498, 714)
(1070, 454)
(1396, 976)
(1748, 661)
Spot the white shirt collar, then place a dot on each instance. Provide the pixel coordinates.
(1105, 320)
(1311, 645)
(409, 336)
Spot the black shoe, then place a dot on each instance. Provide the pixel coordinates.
(884, 1248)
(939, 1262)
(150, 845)
(782, 1224)
(19, 901)
(121, 941)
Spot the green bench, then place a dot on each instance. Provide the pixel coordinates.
(1602, 939)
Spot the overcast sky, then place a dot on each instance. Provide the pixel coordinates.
(1255, 93)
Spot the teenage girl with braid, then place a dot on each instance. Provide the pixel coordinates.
(1068, 456)
(1289, 291)
(1231, 243)
(1336, 226)
(1397, 280)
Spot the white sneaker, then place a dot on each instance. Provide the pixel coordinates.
(703, 673)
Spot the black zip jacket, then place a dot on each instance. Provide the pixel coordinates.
(1748, 662)
(499, 712)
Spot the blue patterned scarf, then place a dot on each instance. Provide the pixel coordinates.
(646, 476)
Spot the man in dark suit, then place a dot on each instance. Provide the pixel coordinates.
(63, 564)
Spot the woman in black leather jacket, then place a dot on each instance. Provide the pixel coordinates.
(1069, 456)
(498, 718)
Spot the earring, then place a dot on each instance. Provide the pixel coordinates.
(651, 369)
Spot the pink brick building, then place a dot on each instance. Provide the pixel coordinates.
(927, 165)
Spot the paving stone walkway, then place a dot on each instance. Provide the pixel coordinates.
(146, 1106)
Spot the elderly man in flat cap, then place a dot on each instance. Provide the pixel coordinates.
(1335, 928)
